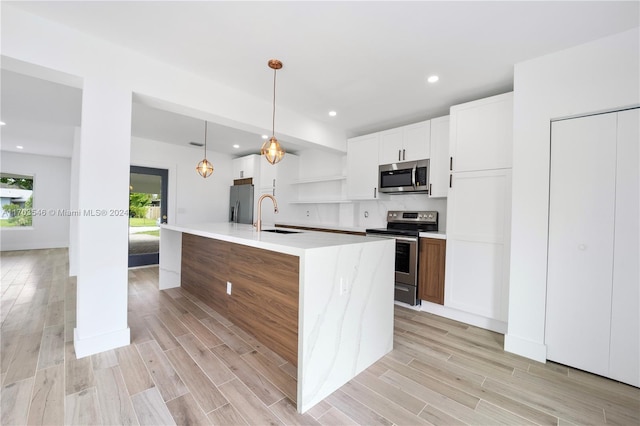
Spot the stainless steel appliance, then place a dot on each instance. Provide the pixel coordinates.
(241, 204)
(405, 228)
(409, 176)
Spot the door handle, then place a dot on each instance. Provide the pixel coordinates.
(398, 155)
(403, 155)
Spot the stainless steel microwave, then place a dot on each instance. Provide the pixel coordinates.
(408, 176)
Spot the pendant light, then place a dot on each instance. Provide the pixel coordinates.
(205, 168)
(271, 149)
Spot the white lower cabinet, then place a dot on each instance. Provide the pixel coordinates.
(478, 235)
(593, 283)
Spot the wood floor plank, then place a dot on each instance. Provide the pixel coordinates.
(82, 408)
(355, 410)
(385, 407)
(248, 405)
(78, 373)
(172, 323)
(257, 345)
(203, 390)
(392, 393)
(52, 347)
(151, 409)
(228, 337)
(136, 376)
(8, 343)
(105, 359)
(448, 406)
(160, 333)
(15, 399)
(571, 410)
(185, 411)
(55, 313)
(286, 411)
(226, 415)
(47, 398)
(162, 372)
(199, 330)
(215, 369)
(259, 385)
(115, 405)
(335, 417)
(25, 359)
(457, 394)
(270, 370)
(499, 415)
(438, 417)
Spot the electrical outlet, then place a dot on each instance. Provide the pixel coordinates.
(228, 287)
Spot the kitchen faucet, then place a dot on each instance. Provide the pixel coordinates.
(258, 224)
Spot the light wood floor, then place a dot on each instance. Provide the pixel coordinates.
(188, 365)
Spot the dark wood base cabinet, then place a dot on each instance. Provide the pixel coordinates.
(431, 270)
(264, 288)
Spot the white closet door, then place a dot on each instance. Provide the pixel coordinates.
(624, 361)
(581, 229)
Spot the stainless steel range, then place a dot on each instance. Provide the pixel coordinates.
(405, 227)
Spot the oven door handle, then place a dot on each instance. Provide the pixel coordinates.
(395, 237)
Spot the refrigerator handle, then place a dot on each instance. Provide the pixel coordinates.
(232, 215)
(237, 212)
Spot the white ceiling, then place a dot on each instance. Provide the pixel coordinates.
(366, 60)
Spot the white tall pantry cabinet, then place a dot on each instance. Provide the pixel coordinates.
(593, 279)
(479, 210)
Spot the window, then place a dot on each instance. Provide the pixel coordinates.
(16, 196)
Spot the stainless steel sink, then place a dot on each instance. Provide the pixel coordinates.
(281, 231)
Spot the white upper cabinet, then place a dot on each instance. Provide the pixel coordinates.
(246, 167)
(406, 143)
(482, 134)
(439, 157)
(362, 167)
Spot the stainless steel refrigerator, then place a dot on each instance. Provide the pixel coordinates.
(241, 204)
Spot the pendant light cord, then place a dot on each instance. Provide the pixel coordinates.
(273, 122)
(205, 139)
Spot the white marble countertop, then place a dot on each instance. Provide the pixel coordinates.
(436, 235)
(294, 244)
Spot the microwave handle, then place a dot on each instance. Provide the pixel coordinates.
(414, 172)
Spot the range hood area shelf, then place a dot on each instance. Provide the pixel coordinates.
(321, 180)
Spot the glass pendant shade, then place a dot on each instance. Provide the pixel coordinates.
(272, 150)
(205, 168)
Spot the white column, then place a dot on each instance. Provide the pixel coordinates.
(73, 204)
(102, 242)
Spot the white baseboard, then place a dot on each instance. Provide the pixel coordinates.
(526, 348)
(101, 343)
(465, 317)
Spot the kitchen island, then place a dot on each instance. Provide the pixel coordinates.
(322, 301)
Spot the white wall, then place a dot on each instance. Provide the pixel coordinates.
(192, 199)
(51, 192)
(597, 76)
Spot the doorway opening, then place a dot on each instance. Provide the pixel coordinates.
(147, 210)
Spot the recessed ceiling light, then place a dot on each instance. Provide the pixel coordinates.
(332, 113)
(236, 146)
(433, 78)
(265, 137)
(19, 146)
